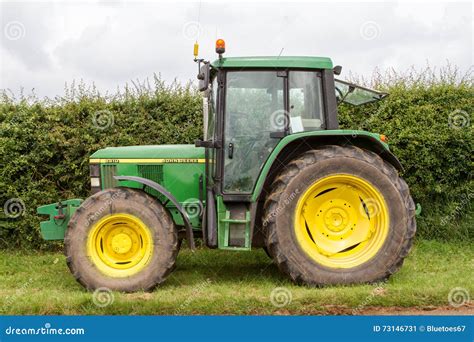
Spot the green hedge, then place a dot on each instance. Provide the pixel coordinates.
(45, 144)
(428, 120)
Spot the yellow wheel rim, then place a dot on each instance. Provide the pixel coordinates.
(341, 221)
(120, 245)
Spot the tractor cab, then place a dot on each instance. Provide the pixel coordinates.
(252, 108)
(251, 104)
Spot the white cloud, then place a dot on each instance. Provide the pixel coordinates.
(112, 43)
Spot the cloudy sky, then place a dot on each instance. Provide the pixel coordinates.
(45, 44)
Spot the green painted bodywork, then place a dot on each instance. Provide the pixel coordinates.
(292, 137)
(54, 229)
(274, 62)
(149, 152)
(180, 179)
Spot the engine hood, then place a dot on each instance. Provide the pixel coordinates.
(179, 152)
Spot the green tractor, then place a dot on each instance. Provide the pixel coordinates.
(272, 171)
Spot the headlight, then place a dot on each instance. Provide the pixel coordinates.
(94, 170)
(95, 178)
(95, 182)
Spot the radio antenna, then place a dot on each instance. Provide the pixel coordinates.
(196, 44)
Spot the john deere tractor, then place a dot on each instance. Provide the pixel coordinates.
(273, 170)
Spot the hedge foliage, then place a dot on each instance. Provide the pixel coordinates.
(428, 120)
(45, 144)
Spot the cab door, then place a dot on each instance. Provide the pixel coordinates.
(254, 108)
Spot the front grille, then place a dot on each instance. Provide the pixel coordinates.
(153, 173)
(108, 172)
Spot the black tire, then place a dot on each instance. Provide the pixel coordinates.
(267, 252)
(127, 201)
(307, 169)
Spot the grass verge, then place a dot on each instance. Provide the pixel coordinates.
(225, 282)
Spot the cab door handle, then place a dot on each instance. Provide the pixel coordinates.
(230, 150)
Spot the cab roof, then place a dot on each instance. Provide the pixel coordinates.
(306, 62)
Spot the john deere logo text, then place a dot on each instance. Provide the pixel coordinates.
(181, 160)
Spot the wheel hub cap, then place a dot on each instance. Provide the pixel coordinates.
(335, 218)
(121, 243)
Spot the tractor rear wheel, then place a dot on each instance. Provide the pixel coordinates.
(339, 215)
(121, 239)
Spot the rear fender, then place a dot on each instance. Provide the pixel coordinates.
(293, 145)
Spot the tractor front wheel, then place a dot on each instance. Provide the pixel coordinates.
(339, 215)
(121, 239)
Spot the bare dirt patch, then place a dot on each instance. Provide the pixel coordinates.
(465, 310)
(421, 311)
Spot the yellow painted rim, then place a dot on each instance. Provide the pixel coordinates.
(341, 221)
(120, 245)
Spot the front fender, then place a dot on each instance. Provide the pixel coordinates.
(171, 198)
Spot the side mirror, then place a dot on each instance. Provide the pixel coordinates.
(203, 76)
(337, 70)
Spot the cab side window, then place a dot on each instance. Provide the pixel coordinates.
(306, 105)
